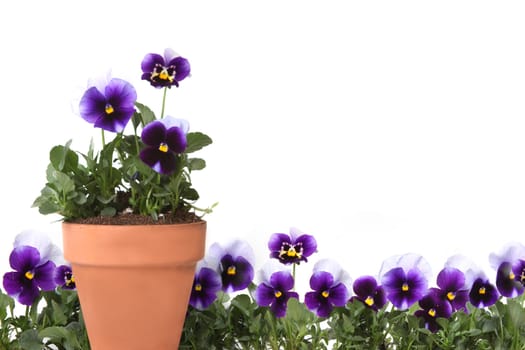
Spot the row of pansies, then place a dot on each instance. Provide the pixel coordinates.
(233, 306)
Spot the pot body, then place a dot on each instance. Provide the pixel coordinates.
(134, 281)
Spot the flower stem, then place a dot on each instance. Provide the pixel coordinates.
(163, 103)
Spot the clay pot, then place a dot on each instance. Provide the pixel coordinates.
(134, 281)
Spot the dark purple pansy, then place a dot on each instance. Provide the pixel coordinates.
(510, 278)
(64, 278)
(29, 275)
(165, 71)
(292, 248)
(432, 307)
(404, 288)
(275, 292)
(330, 287)
(109, 107)
(234, 263)
(162, 145)
(369, 293)
(206, 284)
(451, 283)
(483, 293)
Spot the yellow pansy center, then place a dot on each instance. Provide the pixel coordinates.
(404, 287)
(278, 294)
(325, 293)
(512, 276)
(482, 291)
(369, 301)
(231, 270)
(432, 313)
(109, 109)
(70, 280)
(198, 287)
(29, 275)
(291, 252)
(163, 73)
(451, 296)
(163, 147)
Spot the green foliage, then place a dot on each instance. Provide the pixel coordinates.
(113, 179)
(54, 321)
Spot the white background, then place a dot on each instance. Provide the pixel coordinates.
(379, 127)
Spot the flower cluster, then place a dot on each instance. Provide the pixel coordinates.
(236, 306)
(404, 281)
(146, 172)
(38, 265)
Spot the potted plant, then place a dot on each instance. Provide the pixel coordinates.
(130, 228)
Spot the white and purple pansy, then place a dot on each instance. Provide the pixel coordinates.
(275, 289)
(510, 266)
(64, 277)
(109, 106)
(452, 288)
(432, 308)
(330, 286)
(206, 284)
(292, 248)
(234, 262)
(405, 279)
(29, 276)
(368, 292)
(164, 139)
(166, 70)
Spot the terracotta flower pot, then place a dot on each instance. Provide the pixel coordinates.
(134, 281)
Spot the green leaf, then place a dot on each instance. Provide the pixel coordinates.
(62, 158)
(144, 116)
(29, 340)
(62, 182)
(196, 164)
(108, 211)
(196, 141)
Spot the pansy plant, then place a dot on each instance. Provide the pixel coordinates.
(143, 166)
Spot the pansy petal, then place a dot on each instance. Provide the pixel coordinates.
(276, 240)
(154, 134)
(44, 276)
(510, 252)
(24, 258)
(182, 69)
(365, 286)
(176, 139)
(92, 105)
(282, 280)
(13, 283)
(43, 243)
(339, 295)
(309, 244)
(450, 278)
(170, 121)
(149, 62)
(321, 280)
(264, 295)
(28, 295)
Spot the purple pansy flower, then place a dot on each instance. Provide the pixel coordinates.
(292, 248)
(164, 139)
(275, 290)
(110, 106)
(63, 277)
(29, 276)
(234, 263)
(510, 266)
(451, 283)
(510, 278)
(330, 287)
(165, 71)
(206, 284)
(407, 282)
(432, 307)
(483, 293)
(369, 293)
